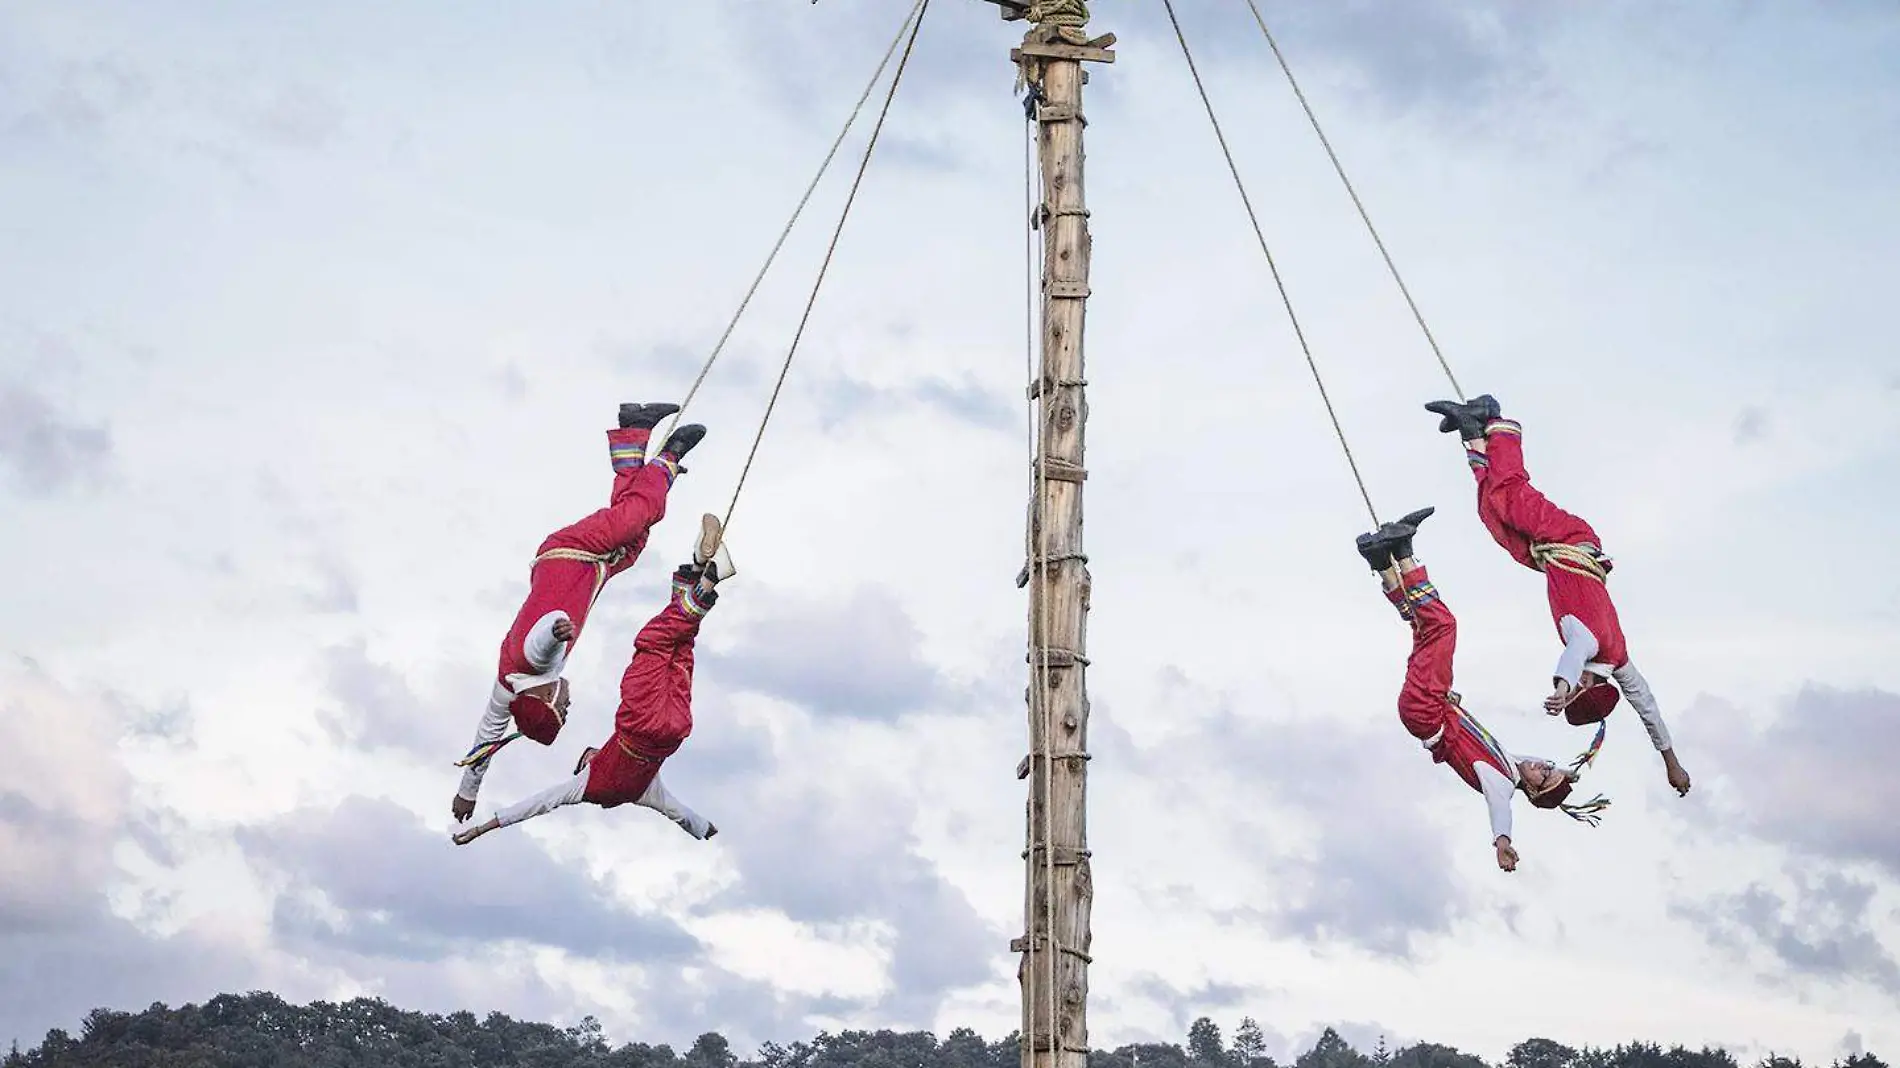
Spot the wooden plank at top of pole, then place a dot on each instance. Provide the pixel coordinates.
(1062, 51)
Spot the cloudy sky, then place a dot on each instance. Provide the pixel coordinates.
(310, 324)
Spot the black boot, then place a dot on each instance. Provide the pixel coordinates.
(1467, 418)
(1398, 536)
(645, 416)
(1375, 550)
(682, 440)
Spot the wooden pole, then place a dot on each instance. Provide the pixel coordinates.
(1058, 889)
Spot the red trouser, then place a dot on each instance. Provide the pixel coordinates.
(1518, 516)
(637, 503)
(1425, 705)
(656, 703)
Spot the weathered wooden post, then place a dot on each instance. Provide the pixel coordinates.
(1059, 891)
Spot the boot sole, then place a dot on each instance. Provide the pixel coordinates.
(709, 534)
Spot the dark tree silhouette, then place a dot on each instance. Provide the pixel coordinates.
(261, 1030)
(1141, 1055)
(1432, 1055)
(1249, 1048)
(1332, 1051)
(1540, 1053)
(1204, 1046)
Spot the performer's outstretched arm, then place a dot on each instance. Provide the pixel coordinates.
(1498, 791)
(1643, 700)
(545, 648)
(493, 725)
(566, 792)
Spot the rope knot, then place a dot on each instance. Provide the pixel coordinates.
(1585, 560)
(1058, 12)
(606, 559)
(1060, 20)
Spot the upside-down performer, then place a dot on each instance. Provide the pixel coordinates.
(1545, 538)
(569, 571)
(1433, 712)
(656, 709)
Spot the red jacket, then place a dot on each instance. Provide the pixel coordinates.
(656, 702)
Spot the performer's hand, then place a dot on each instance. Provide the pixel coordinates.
(462, 809)
(1678, 778)
(1558, 698)
(563, 630)
(465, 837)
(1507, 856)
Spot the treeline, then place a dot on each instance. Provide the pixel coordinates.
(261, 1030)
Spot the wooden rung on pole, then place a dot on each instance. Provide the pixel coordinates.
(1029, 566)
(1040, 1043)
(1062, 471)
(1060, 754)
(1020, 945)
(1057, 558)
(1065, 856)
(1023, 768)
(1062, 51)
(1035, 388)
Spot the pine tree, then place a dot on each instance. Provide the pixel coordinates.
(1332, 1051)
(1204, 1045)
(1250, 1046)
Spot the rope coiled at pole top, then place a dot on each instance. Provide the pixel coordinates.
(1065, 17)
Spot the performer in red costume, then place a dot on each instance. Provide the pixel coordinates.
(656, 709)
(1544, 537)
(1433, 713)
(570, 569)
